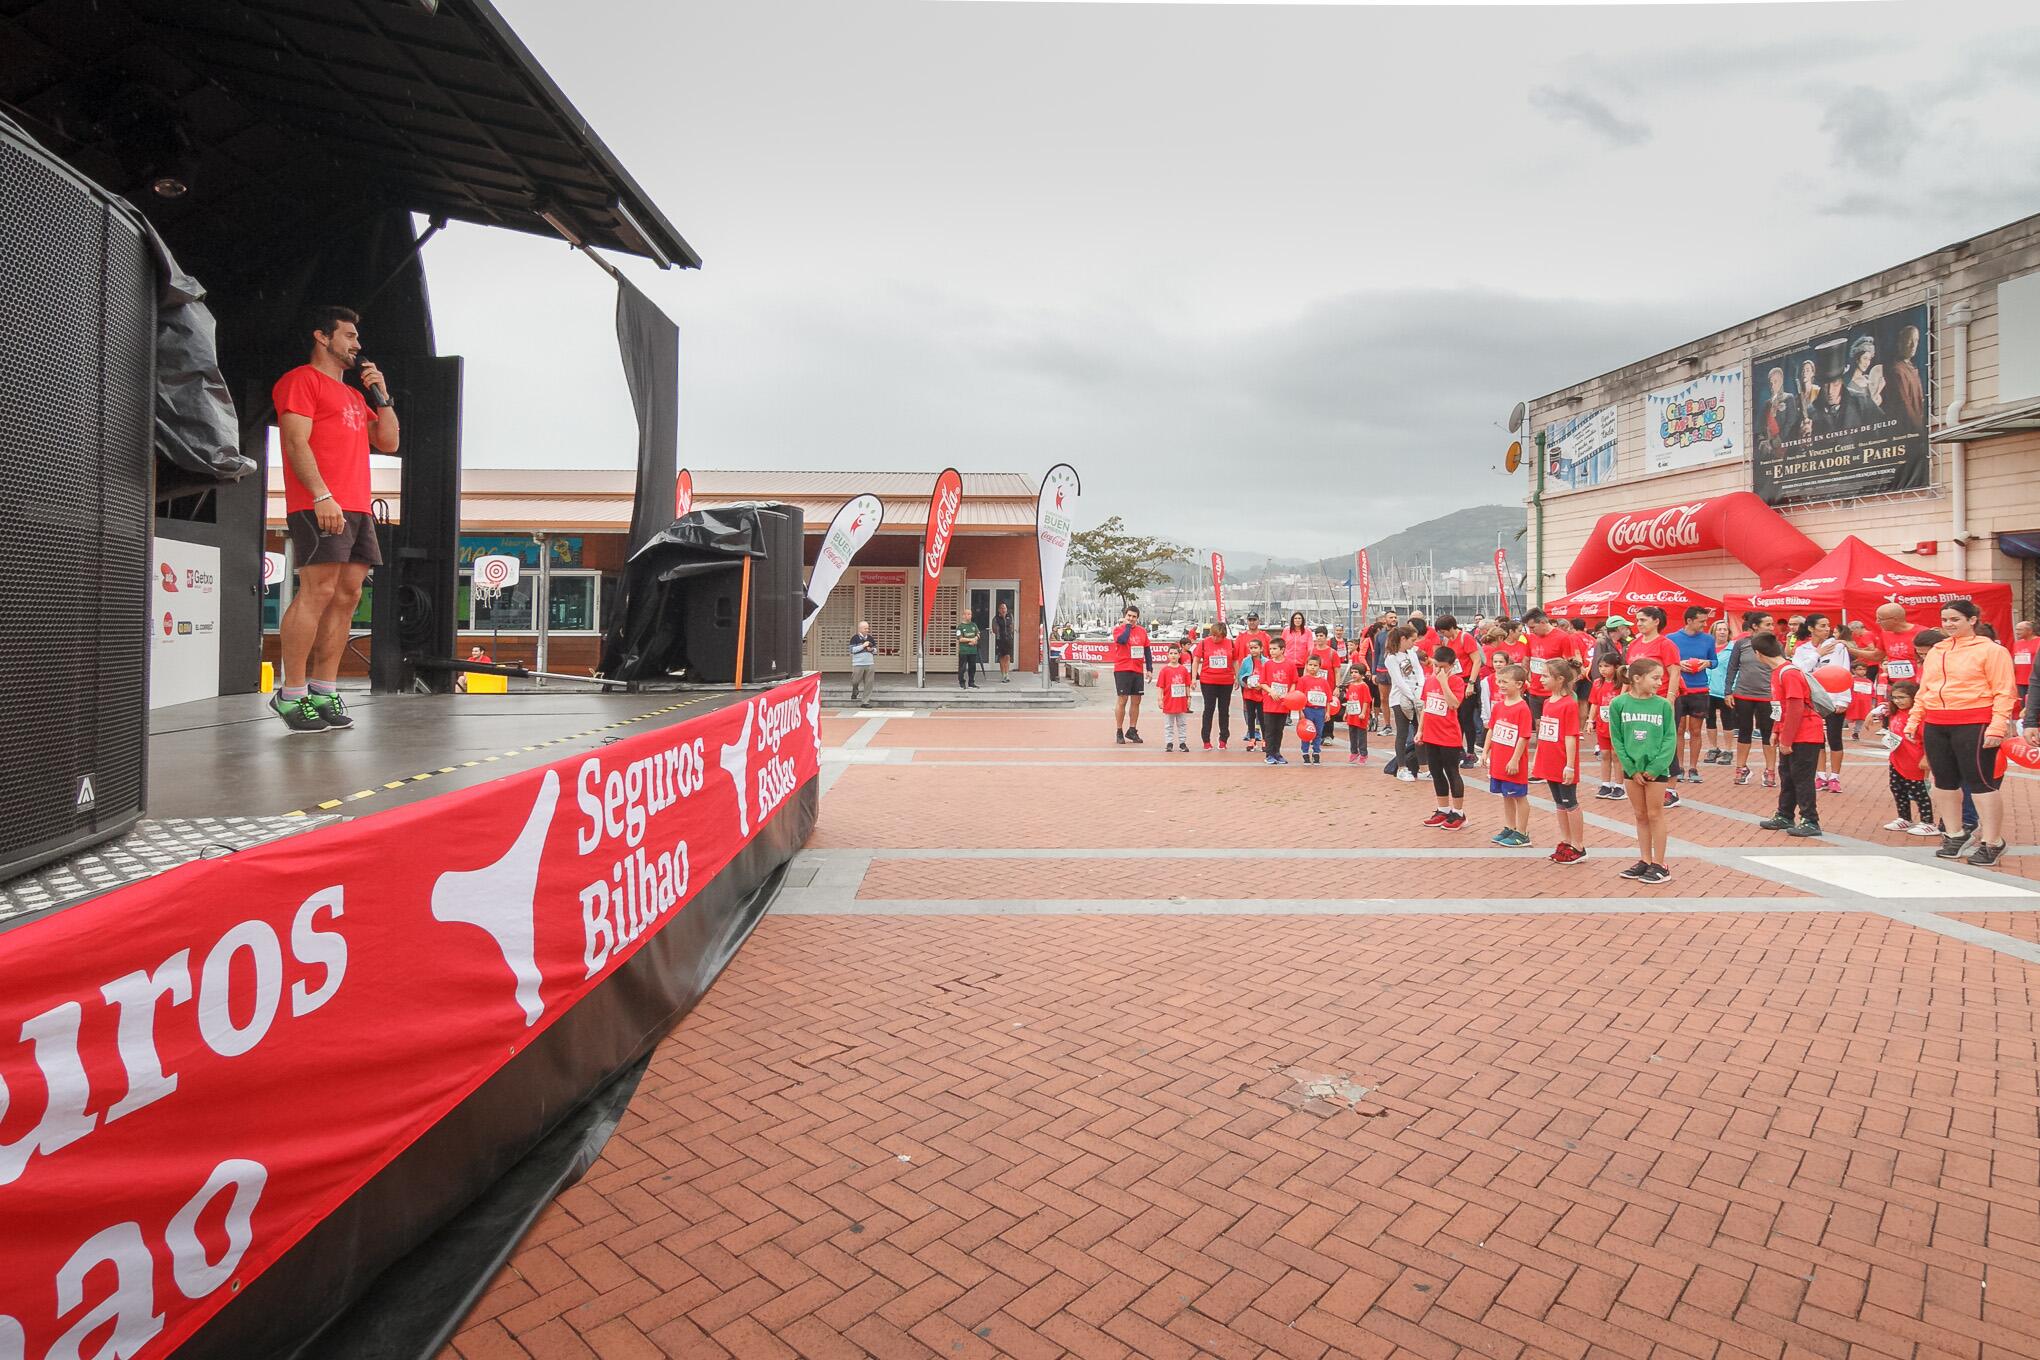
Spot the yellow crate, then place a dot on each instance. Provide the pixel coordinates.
(268, 677)
(488, 684)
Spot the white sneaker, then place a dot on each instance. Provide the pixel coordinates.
(1923, 829)
(1898, 824)
(1405, 776)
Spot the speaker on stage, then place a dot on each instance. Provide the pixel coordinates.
(77, 384)
(683, 593)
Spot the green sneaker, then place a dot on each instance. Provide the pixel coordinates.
(299, 715)
(331, 709)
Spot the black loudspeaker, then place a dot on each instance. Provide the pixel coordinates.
(77, 387)
(708, 623)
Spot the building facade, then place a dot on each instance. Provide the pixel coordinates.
(1903, 408)
(570, 530)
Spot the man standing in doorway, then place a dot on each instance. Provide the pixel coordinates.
(863, 662)
(327, 429)
(1132, 663)
(1002, 642)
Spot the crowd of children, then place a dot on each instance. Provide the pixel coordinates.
(1649, 697)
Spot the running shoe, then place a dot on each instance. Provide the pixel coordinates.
(1611, 793)
(1134, 737)
(1951, 846)
(1897, 824)
(1804, 830)
(1405, 776)
(1437, 818)
(1455, 821)
(1924, 829)
(1353, 759)
(1638, 870)
(1657, 873)
(1987, 855)
(1834, 783)
(1671, 798)
(1519, 839)
(1775, 824)
(1742, 776)
(299, 715)
(1503, 837)
(1692, 776)
(1119, 735)
(1469, 762)
(1207, 746)
(1221, 745)
(1566, 854)
(1275, 760)
(1770, 779)
(333, 709)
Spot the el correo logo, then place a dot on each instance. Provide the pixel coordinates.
(1675, 526)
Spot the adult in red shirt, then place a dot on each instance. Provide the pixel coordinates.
(327, 429)
(1132, 662)
(1217, 661)
(1801, 734)
(1545, 643)
(1254, 631)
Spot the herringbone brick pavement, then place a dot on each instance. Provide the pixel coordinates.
(1729, 1135)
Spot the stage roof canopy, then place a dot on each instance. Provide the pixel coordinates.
(436, 107)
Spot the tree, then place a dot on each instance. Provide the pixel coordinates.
(1124, 564)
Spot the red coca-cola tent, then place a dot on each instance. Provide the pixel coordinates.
(1624, 591)
(1738, 523)
(1854, 579)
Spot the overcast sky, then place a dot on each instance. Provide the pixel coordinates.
(1269, 277)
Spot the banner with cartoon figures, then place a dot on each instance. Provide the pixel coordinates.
(1693, 423)
(200, 1067)
(1844, 413)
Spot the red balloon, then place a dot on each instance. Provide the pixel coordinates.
(1306, 730)
(2018, 751)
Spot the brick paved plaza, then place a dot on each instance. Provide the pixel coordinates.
(1058, 1048)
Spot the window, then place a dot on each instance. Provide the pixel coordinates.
(511, 608)
(272, 606)
(570, 604)
(571, 608)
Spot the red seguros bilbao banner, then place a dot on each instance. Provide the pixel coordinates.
(201, 1066)
(1738, 523)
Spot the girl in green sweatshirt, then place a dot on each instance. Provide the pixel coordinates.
(1646, 736)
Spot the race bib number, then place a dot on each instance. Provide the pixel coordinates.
(1179, 691)
(1862, 687)
(1892, 741)
(1435, 705)
(1504, 735)
(1136, 652)
(1537, 665)
(1777, 710)
(1898, 670)
(1353, 707)
(1547, 729)
(1314, 699)
(1457, 669)
(1276, 689)
(1604, 715)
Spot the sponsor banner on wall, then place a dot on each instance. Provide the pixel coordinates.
(201, 1066)
(184, 650)
(1844, 413)
(1693, 423)
(848, 532)
(1580, 451)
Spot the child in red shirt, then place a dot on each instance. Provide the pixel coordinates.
(1314, 688)
(1443, 693)
(1558, 762)
(1173, 680)
(1903, 737)
(1279, 699)
(1859, 698)
(1253, 661)
(1607, 684)
(1508, 753)
(1358, 711)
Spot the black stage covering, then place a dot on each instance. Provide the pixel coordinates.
(682, 597)
(650, 344)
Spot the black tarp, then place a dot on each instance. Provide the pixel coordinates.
(650, 345)
(197, 428)
(649, 642)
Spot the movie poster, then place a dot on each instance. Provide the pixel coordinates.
(1580, 451)
(1696, 422)
(1845, 413)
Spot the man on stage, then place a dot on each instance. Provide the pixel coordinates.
(327, 429)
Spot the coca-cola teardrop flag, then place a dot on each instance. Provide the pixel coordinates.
(943, 504)
(1218, 584)
(1365, 582)
(849, 531)
(1055, 511)
(683, 493)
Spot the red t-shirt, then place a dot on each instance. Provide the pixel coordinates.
(1440, 726)
(1216, 659)
(1317, 690)
(1901, 656)
(1129, 648)
(340, 420)
(1466, 649)
(2022, 659)
(1174, 683)
(1251, 635)
(1582, 649)
(1560, 723)
(1790, 682)
(1508, 733)
(1552, 645)
(1665, 652)
(1359, 702)
(1279, 679)
(1908, 756)
(1602, 695)
(1517, 649)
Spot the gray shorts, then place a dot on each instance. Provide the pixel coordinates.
(356, 542)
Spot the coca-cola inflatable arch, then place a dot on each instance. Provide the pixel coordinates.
(1739, 524)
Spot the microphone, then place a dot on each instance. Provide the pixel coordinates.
(378, 397)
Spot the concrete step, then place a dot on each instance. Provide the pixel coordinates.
(1025, 692)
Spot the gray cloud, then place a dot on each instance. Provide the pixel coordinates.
(1871, 130)
(1583, 110)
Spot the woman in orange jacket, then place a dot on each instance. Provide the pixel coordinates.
(1967, 696)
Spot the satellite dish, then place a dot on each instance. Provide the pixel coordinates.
(1515, 457)
(1516, 418)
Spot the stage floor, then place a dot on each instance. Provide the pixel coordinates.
(233, 756)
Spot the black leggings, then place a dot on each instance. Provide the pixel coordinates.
(1250, 710)
(1445, 777)
(1834, 723)
(1217, 697)
(1409, 754)
(1272, 726)
(1959, 759)
(1752, 713)
(1911, 794)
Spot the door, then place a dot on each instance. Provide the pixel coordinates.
(882, 602)
(985, 599)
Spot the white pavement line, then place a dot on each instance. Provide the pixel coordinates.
(1889, 878)
(811, 903)
(861, 738)
(2008, 945)
(1480, 850)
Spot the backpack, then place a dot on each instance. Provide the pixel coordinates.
(1828, 702)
